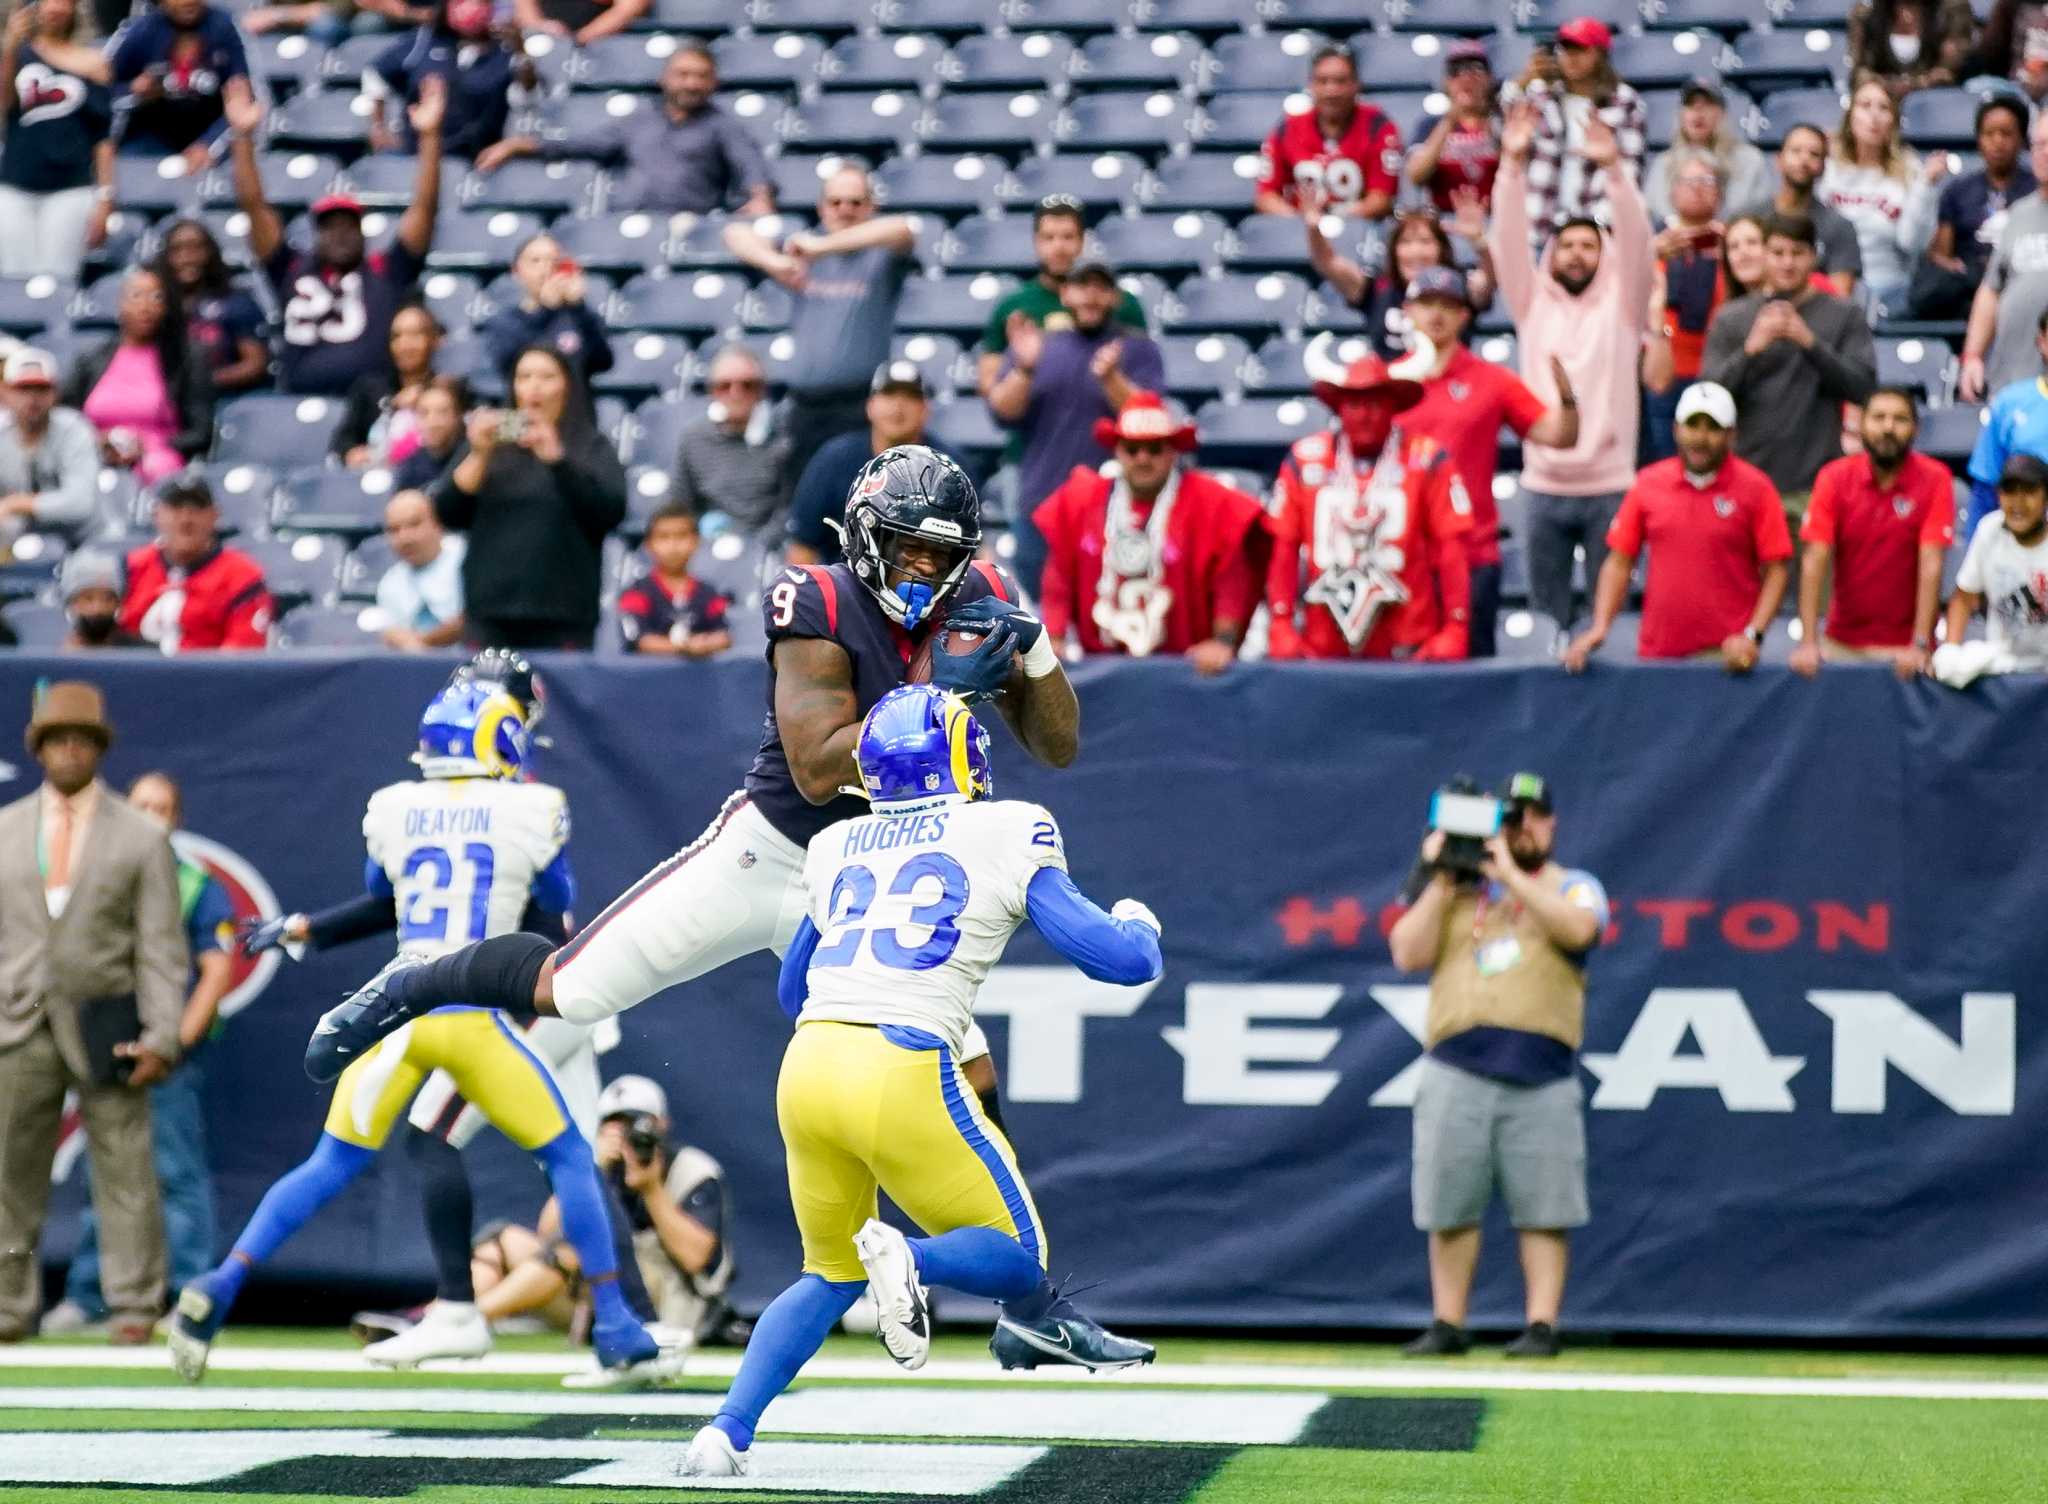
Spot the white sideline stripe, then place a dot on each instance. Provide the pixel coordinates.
(1122, 1414)
(1410, 1378)
(164, 1457)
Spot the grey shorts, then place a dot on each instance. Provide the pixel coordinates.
(1471, 1133)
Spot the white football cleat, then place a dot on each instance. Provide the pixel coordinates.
(902, 1309)
(712, 1455)
(448, 1329)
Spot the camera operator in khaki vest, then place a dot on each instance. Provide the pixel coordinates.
(1504, 932)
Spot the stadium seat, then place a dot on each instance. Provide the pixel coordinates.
(1238, 303)
(153, 185)
(1100, 180)
(1787, 59)
(344, 64)
(454, 298)
(1278, 241)
(904, 61)
(30, 565)
(686, 303)
(623, 243)
(938, 183)
(1243, 122)
(1660, 117)
(291, 181)
(1255, 431)
(644, 365)
(1010, 124)
(701, 246)
(630, 60)
(364, 567)
(1950, 433)
(338, 123)
(1405, 63)
(37, 624)
(1151, 60)
(1169, 243)
(1074, 17)
(1262, 62)
(1460, 17)
(353, 627)
(958, 306)
(305, 568)
(244, 494)
(280, 432)
(1130, 121)
(656, 428)
(767, 307)
(95, 308)
(1834, 13)
(333, 500)
(648, 488)
(938, 357)
(1277, 368)
(964, 427)
(29, 303)
(487, 238)
(1525, 636)
(777, 351)
(1666, 59)
(782, 62)
(545, 188)
(1036, 61)
(386, 181)
(577, 118)
(287, 64)
(1789, 107)
(872, 124)
(1201, 366)
(1940, 117)
(1727, 17)
(799, 175)
(948, 18)
(989, 244)
(1543, 17)
(827, 17)
(1205, 180)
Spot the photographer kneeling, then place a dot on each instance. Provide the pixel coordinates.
(1505, 932)
(678, 1216)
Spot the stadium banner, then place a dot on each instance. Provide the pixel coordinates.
(1816, 1074)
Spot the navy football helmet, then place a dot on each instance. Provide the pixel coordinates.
(916, 494)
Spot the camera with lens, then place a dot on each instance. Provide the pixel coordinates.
(643, 1137)
(1467, 817)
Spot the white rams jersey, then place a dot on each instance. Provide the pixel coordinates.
(462, 855)
(913, 909)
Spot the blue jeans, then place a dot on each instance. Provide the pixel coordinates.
(177, 1112)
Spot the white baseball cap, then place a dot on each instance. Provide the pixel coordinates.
(630, 1095)
(1707, 399)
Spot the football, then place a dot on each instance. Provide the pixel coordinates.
(953, 639)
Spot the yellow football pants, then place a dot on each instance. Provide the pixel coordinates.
(859, 1111)
(492, 1068)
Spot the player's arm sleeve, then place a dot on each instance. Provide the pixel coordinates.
(554, 886)
(1108, 950)
(373, 912)
(792, 986)
(550, 924)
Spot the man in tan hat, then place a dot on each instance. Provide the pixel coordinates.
(92, 985)
(1159, 559)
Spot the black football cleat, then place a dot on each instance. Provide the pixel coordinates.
(346, 1032)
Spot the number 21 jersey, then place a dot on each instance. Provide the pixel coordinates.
(913, 909)
(335, 326)
(462, 855)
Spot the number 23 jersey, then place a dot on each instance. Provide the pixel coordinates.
(462, 855)
(336, 325)
(913, 909)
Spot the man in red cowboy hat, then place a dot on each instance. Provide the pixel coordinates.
(1160, 559)
(1374, 522)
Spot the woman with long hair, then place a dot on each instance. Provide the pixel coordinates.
(1878, 183)
(1417, 240)
(1577, 87)
(1911, 44)
(57, 168)
(377, 425)
(1742, 254)
(223, 324)
(1703, 126)
(150, 400)
(537, 493)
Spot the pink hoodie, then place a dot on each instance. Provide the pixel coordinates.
(1598, 335)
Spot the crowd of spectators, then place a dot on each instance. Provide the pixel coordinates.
(1650, 294)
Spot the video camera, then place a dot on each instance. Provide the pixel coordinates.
(1467, 817)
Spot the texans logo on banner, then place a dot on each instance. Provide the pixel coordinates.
(249, 897)
(46, 94)
(1359, 549)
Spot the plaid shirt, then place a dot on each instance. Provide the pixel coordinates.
(1562, 184)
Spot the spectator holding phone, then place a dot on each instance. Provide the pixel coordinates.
(1460, 149)
(1560, 182)
(550, 311)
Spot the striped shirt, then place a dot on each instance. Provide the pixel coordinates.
(718, 470)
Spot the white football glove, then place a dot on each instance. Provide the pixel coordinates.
(1130, 908)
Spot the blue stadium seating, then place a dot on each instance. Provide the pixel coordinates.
(485, 239)
(31, 564)
(767, 307)
(331, 500)
(96, 308)
(1010, 124)
(1405, 63)
(1789, 107)
(648, 489)
(627, 61)
(1236, 303)
(702, 246)
(547, 188)
(1459, 17)
(1922, 364)
(1154, 60)
(784, 61)
(1260, 62)
(949, 18)
(938, 357)
(326, 627)
(1666, 59)
(37, 624)
(693, 17)
(28, 303)
(941, 183)
(1255, 431)
(338, 122)
(905, 61)
(1789, 59)
(1277, 368)
(798, 177)
(1940, 117)
(1075, 17)
(1172, 243)
(958, 306)
(1276, 241)
(578, 118)
(1241, 122)
(243, 493)
(291, 181)
(1950, 433)
(622, 243)
(153, 185)
(824, 16)
(364, 567)
(452, 297)
(385, 180)
(280, 432)
(1201, 366)
(287, 64)
(984, 244)
(1036, 61)
(1543, 17)
(685, 303)
(966, 428)
(1127, 121)
(1100, 180)
(1728, 17)
(345, 63)
(869, 123)
(656, 428)
(1833, 13)
(1204, 180)
(1209, 17)
(298, 570)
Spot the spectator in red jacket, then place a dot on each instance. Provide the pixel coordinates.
(1159, 559)
(1340, 148)
(186, 591)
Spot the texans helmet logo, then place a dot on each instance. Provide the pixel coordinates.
(1902, 507)
(1724, 506)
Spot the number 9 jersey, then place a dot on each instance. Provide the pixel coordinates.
(462, 856)
(913, 908)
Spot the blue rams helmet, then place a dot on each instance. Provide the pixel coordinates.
(920, 743)
(910, 492)
(473, 729)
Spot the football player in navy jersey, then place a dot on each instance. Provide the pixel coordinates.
(840, 638)
(336, 303)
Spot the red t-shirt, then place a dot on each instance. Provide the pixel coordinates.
(1365, 159)
(1708, 548)
(1470, 157)
(1463, 410)
(1877, 537)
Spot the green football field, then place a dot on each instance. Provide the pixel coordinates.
(288, 1418)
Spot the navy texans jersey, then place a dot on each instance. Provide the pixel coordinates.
(56, 121)
(828, 602)
(334, 327)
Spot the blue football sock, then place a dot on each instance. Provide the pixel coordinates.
(572, 1174)
(977, 1261)
(288, 1206)
(794, 1326)
(1035, 1306)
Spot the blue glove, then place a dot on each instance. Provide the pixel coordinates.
(989, 610)
(981, 671)
(259, 935)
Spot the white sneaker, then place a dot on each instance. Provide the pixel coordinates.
(448, 1329)
(901, 1306)
(712, 1455)
(64, 1317)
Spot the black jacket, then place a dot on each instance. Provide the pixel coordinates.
(536, 532)
(573, 331)
(191, 392)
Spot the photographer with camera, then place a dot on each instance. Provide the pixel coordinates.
(1504, 931)
(677, 1215)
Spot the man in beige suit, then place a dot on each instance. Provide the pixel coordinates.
(88, 910)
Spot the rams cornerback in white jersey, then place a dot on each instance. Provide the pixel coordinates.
(463, 856)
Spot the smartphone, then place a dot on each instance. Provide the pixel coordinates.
(564, 267)
(512, 428)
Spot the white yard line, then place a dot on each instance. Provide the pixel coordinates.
(1409, 1378)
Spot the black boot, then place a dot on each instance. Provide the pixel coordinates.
(1540, 1341)
(1442, 1340)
